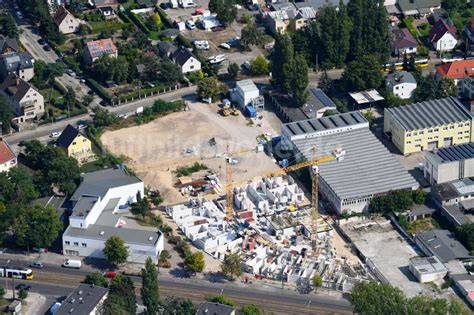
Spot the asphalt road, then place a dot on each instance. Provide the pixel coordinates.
(54, 281)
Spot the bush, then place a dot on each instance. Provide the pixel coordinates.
(99, 89)
(164, 18)
(181, 40)
(186, 171)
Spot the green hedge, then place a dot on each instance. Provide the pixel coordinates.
(124, 16)
(181, 40)
(164, 18)
(59, 87)
(138, 22)
(99, 89)
(142, 92)
(411, 28)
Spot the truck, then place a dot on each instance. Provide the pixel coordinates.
(72, 263)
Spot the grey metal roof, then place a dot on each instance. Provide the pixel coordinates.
(399, 77)
(456, 153)
(104, 232)
(99, 182)
(212, 308)
(430, 113)
(324, 123)
(318, 99)
(82, 300)
(443, 244)
(368, 167)
(84, 205)
(410, 5)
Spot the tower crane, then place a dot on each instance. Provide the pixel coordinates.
(337, 153)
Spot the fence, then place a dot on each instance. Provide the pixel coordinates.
(144, 94)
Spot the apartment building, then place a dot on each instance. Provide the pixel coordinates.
(428, 125)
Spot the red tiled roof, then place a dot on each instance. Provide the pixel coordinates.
(457, 69)
(439, 29)
(100, 47)
(6, 154)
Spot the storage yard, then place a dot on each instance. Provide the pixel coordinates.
(156, 149)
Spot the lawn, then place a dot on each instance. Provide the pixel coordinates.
(101, 26)
(424, 29)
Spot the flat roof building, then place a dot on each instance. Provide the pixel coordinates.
(428, 125)
(442, 244)
(86, 299)
(427, 269)
(367, 170)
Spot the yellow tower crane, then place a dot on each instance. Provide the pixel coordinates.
(337, 153)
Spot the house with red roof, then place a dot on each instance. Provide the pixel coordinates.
(93, 50)
(443, 36)
(7, 156)
(456, 70)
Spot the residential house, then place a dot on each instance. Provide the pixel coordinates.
(19, 63)
(86, 299)
(418, 8)
(443, 36)
(209, 308)
(75, 144)
(467, 88)
(442, 244)
(469, 36)
(100, 209)
(26, 102)
(298, 17)
(317, 104)
(403, 43)
(428, 125)
(401, 84)
(458, 70)
(166, 48)
(65, 21)
(104, 3)
(8, 45)
(427, 269)
(186, 60)
(93, 50)
(107, 12)
(7, 156)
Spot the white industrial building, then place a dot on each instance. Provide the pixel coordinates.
(247, 93)
(427, 269)
(368, 168)
(99, 206)
(449, 164)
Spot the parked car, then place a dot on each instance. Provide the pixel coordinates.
(190, 24)
(217, 28)
(71, 72)
(37, 264)
(46, 47)
(72, 263)
(224, 46)
(41, 41)
(55, 134)
(23, 286)
(19, 15)
(201, 44)
(54, 308)
(234, 41)
(246, 66)
(81, 127)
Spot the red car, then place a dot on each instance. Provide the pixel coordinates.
(217, 28)
(110, 274)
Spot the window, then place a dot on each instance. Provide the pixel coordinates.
(76, 243)
(67, 242)
(84, 140)
(436, 129)
(408, 134)
(74, 143)
(84, 245)
(422, 132)
(460, 125)
(430, 130)
(445, 128)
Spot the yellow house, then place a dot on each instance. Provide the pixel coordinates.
(75, 144)
(428, 125)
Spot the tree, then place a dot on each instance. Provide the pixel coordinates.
(115, 251)
(178, 306)
(299, 80)
(363, 74)
(6, 115)
(8, 26)
(22, 294)
(103, 118)
(164, 255)
(141, 207)
(2, 292)
(194, 262)
(23, 190)
(150, 289)
(282, 62)
(398, 200)
(391, 100)
(210, 87)
(225, 10)
(369, 116)
(231, 265)
(221, 299)
(325, 83)
(431, 87)
(250, 310)
(250, 35)
(111, 69)
(233, 70)
(96, 279)
(317, 281)
(419, 196)
(374, 298)
(121, 299)
(259, 66)
(36, 225)
(465, 234)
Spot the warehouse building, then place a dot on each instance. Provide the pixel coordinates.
(449, 164)
(247, 93)
(367, 170)
(428, 125)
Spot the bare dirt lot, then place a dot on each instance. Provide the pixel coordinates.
(156, 149)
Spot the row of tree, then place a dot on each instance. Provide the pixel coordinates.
(397, 201)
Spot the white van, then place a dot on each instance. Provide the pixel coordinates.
(72, 263)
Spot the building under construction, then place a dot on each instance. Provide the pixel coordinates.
(367, 170)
